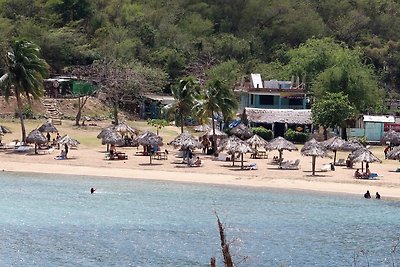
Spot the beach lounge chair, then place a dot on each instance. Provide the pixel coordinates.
(291, 165)
(326, 167)
(252, 166)
(340, 162)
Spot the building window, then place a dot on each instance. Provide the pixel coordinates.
(266, 100)
(295, 102)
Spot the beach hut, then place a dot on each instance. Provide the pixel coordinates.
(314, 149)
(279, 143)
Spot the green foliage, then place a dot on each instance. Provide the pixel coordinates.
(27, 112)
(296, 137)
(158, 123)
(263, 132)
(332, 110)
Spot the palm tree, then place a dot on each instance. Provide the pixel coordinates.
(216, 97)
(23, 75)
(184, 93)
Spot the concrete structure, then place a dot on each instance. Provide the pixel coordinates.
(372, 127)
(272, 94)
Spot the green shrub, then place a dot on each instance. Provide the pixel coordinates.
(294, 136)
(262, 132)
(27, 112)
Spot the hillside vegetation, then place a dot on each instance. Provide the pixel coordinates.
(209, 38)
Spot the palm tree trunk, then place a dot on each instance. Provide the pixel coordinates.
(214, 142)
(181, 115)
(21, 116)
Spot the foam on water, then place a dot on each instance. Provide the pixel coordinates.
(54, 221)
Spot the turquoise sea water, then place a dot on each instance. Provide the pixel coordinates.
(54, 221)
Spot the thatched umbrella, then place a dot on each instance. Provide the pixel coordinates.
(352, 145)
(235, 145)
(68, 140)
(391, 136)
(335, 143)
(150, 139)
(279, 143)
(256, 141)
(112, 138)
(4, 129)
(314, 149)
(37, 138)
(47, 127)
(218, 133)
(202, 128)
(186, 140)
(242, 131)
(105, 130)
(363, 155)
(394, 153)
(124, 129)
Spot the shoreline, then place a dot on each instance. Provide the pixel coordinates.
(274, 183)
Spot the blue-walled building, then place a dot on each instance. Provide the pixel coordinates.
(272, 94)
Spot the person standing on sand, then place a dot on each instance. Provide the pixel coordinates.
(66, 150)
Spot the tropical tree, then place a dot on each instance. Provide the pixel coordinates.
(216, 98)
(184, 93)
(332, 111)
(24, 71)
(158, 123)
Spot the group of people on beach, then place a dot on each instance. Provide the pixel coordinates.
(368, 195)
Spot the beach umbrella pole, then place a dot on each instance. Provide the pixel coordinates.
(334, 158)
(242, 161)
(280, 158)
(313, 165)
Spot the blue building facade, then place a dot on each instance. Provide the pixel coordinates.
(272, 94)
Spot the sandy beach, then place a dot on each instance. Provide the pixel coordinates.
(90, 160)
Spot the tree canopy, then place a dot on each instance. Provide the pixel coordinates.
(189, 38)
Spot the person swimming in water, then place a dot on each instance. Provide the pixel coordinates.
(92, 190)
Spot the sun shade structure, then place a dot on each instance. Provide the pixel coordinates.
(186, 140)
(150, 139)
(334, 144)
(391, 136)
(242, 131)
(37, 138)
(314, 149)
(202, 128)
(352, 145)
(4, 129)
(112, 138)
(218, 133)
(363, 155)
(68, 140)
(279, 143)
(47, 127)
(125, 129)
(105, 131)
(256, 141)
(394, 153)
(235, 145)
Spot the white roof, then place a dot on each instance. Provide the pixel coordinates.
(369, 118)
(256, 80)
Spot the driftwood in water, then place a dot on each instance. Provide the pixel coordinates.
(224, 245)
